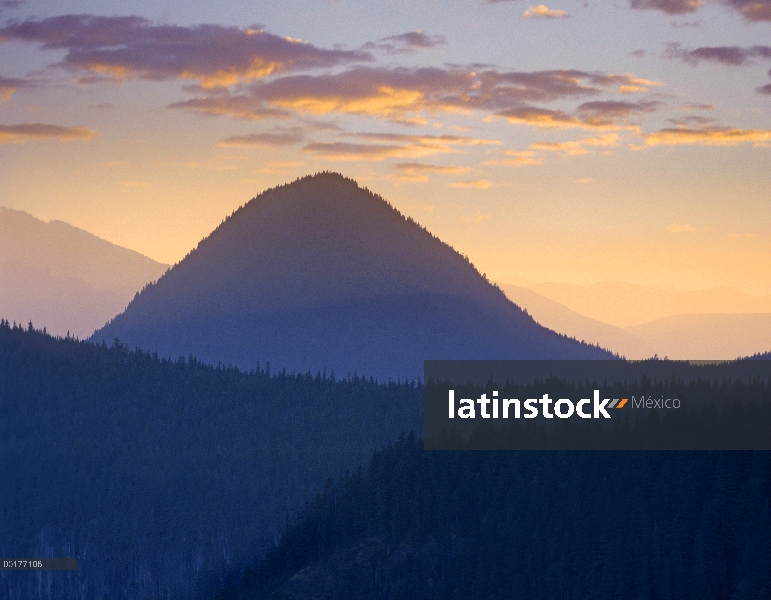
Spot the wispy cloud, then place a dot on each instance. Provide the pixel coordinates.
(609, 110)
(406, 43)
(752, 10)
(541, 117)
(25, 132)
(670, 7)
(610, 114)
(708, 136)
(692, 120)
(257, 140)
(353, 151)
(732, 56)
(684, 228)
(415, 171)
(405, 94)
(544, 12)
(12, 3)
(132, 47)
(576, 147)
(516, 158)
(686, 24)
(480, 184)
(233, 106)
(8, 87)
(379, 146)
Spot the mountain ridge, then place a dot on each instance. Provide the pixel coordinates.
(368, 285)
(64, 278)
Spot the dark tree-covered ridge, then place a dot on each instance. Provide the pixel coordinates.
(160, 474)
(492, 525)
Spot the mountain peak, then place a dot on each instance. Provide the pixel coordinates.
(334, 240)
(321, 273)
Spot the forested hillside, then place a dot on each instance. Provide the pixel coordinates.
(157, 474)
(542, 525)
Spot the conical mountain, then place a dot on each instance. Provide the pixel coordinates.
(322, 274)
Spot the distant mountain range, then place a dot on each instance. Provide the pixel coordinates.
(63, 278)
(705, 337)
(322, 274)
(626, 304)
(715, 336)
(560, 318)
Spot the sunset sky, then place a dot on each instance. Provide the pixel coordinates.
(572, 141)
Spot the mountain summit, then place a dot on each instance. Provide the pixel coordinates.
(322, 274)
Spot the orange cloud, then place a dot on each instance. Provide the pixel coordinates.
(516, 159)
(350, 151)
(393, 145)
(415, 171)
(234, 107)
(558, 119)
(609, 112)
(713, 136)
(685, 228)
(406, 95)
(540, 117)
(131, 47)
(544, 12)
(600, 114)
(40, 131)
(573, 148)
(385, 102)
(481, 184)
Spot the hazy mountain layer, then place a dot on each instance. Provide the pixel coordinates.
(626, 304)
(707, 337)
(321, 273)
(64, 278)
(561, 319)
(61, 304)
(685, 336)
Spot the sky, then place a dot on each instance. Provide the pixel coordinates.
(569, 141)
